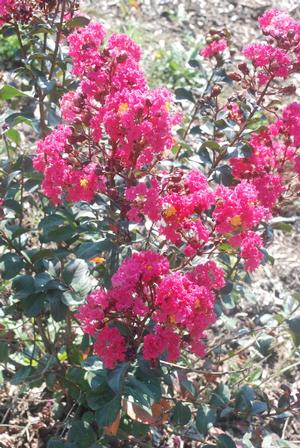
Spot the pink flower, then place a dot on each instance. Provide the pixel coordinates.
(164, 340)
(237, 209)
(146, 266)
(139, 123)
(291, 121)
(144, 200)
(63, 178)
(91, 313)
(122, 47)
(214, 48)
(274, 60)
(84, 47)
(179, 300)
(143, 289)
(110, 345)
(269, 187)
(279, 24)
(250, 252)
(209, 275)
(297, 165)
(5, 9)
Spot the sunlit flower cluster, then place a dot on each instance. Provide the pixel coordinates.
(178, 306)
(112, 102)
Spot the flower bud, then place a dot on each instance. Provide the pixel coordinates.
(122, 57)
(243, 67)
(288, 90)
(234, 76)
(216, 90)
(296, 67)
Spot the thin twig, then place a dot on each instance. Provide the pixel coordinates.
(203, 372)
(55, 53)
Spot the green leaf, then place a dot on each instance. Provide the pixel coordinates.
(16, 118)
(205, 419)
(21, 375)
(284, 226)
(116, 377)
(92, 364)
(184, 94)
(189, 386)
(210, 144)
(294, 327)
(55, 443)
(223, 175)
(108, 411)
(76, 274)
(42, 254)
(9, 92)
(76, 375)
(181, 414)
(10, 265)
(224, 441)
(41, 280)
(48, 224)
(134, 428)
(3, 351)
(13, 135)
(244, 398)
(62, 233)
(70, 298)
(147, 385)
(23, 286)
(82, 434)
(45, 84)
(57, 307)
(258, 407)
(264, 344)
(33, 305)
(95, 379)
(220, 396)
(78, 21)
(13, 205)
(91, 249)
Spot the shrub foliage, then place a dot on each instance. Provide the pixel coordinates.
(131, 230)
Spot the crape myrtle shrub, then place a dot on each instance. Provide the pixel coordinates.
(135, 223)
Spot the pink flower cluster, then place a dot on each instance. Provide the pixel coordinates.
(181, 204)
(180, 307)
(274, 152)
(176, 202)
(278, 57)
(20, 10)
(112, 102)
(66, 174)
(282, 27)
(215, 48)
(274, 61)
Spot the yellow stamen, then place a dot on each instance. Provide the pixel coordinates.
(123, 108)
(170, 211)
(197, 305)
(168, 106)
(84, 182)
(236, 221)
(97, 260)
(172, 319)
(133, 3)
